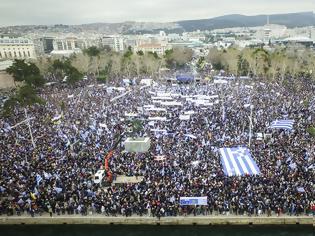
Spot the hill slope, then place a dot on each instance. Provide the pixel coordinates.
(290, 20)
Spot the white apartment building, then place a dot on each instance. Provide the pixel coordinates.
(16, 48)
(73, 43)
(114, 42)
(64, 44)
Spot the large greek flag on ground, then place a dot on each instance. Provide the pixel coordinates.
(282, 124)
(238, 161)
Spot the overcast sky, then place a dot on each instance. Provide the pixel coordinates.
(17, 12)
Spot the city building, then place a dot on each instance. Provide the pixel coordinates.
(152, 47)
(16, 48)
(116, 43)
(43, 45)
(312, 34)
(306, 41)
(65, 53)
(271, 32)
(61, 44)
(172, 37)
(73, 43)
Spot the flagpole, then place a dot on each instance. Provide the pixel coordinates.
(250, 125)
(29, 128)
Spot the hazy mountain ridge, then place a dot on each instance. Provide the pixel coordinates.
(290, 20)
(228, 21)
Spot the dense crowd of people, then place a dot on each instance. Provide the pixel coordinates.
(77, 126)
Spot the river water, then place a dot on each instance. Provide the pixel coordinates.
(143, 230)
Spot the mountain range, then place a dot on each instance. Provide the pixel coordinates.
(228, 21)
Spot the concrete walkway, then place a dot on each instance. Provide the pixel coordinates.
(180, 220)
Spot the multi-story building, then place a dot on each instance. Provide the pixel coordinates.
(312, 34)
(73, 43)
(16, 48)
(173, 37)
(65, 44)
(116, 43)
(152, 47)
(43, 45)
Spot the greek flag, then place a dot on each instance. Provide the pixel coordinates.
(238, 161)
(38, 179)
(282, 124)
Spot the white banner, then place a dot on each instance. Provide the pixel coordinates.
(193, 201)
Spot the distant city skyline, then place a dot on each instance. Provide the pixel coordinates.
(46, 12)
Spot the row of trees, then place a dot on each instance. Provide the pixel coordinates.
(259, 62)
(106, 64)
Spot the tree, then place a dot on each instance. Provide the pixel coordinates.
(216, 59)
(43, 63)
(94, 53)
(178, 57)
(116, 65)
(151, 65)
(64, 68)
(128, 53)
(242, 66)
(154, 54)
(138, 62)
(73, 75)
(201, 63)
(28, 73)
(140, 53)
(24, 96)
(262, 62)
(81, 62)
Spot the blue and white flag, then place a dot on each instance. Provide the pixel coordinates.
(38, 179)
(282, 124)
(58, 190)
(238, 161)
(223, 113)
(300, 189)
(47, 175)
